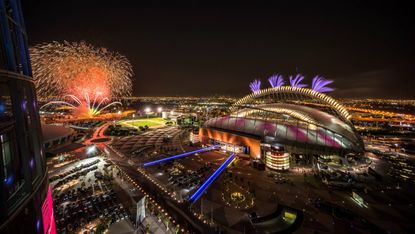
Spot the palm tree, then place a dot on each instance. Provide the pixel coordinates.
(167, 221)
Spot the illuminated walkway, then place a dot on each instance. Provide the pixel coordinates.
(180, 156)
(211, 179)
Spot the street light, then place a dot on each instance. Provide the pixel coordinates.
(159, 109)
(90, 150)
(147, 110)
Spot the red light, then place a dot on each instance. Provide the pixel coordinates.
(47, 214)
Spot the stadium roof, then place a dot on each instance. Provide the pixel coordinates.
(53, 132)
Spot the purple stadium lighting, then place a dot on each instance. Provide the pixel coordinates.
(199, 192)
(255, 86)
(276, 81)
(180, 155)
(296, 81)
(320, 84)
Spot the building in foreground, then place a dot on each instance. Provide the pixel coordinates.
(25, 195)
(275, 123)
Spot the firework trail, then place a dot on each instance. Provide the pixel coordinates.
(296, 81)
(276, 81)
(320, 84)
(255, 86)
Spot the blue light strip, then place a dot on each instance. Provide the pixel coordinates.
(210, 180)
(179, 156)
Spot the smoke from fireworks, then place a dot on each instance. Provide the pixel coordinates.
(81, 76)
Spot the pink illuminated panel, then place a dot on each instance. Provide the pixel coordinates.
(47, 214)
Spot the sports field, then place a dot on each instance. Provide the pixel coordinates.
(151, 122)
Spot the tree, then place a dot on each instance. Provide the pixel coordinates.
(147, 228)
(167, 223)
(101, 228)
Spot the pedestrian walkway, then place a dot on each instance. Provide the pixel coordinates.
(156, 227)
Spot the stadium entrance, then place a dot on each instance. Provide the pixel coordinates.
(239, 149)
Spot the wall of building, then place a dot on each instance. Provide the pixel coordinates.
(205, 134)
(23, 175)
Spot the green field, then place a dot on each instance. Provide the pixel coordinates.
(151, 122)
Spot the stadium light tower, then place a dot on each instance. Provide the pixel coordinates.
(147, 111)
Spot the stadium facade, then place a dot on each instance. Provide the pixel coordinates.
(25, 197)
(274, 123)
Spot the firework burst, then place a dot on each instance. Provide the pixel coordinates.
(276, 81)
(296, 81)
(79, 75)
(255, 86)
(320, 84)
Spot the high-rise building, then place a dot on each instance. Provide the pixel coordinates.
(25, 195)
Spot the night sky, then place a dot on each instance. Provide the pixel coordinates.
(217, 48)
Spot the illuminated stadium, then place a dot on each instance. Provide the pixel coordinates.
(273, 123)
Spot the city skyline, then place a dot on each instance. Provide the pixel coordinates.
(187, 49)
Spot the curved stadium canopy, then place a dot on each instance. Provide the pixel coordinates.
(283, 116)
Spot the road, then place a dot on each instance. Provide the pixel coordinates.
(98, 134)
(179, 212)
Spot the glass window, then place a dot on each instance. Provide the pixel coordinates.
(3, 63)
(6, 112)
(12, 169)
